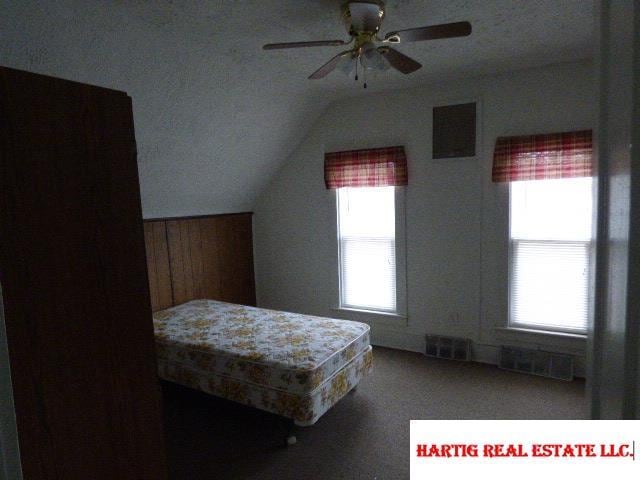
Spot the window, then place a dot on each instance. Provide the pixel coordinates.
(369, 188)
(550, 251)
(367, 233)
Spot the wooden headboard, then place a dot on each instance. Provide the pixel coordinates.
(200, 257)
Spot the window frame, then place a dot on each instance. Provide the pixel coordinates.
(511, 325)
(401, 259)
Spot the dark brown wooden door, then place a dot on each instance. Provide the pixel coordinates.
(74, 279)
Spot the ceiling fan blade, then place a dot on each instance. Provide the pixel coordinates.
(433, 32)
(319, 43)
(331, 65)
(399, 61)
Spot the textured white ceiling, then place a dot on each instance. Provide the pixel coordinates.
(215, 115)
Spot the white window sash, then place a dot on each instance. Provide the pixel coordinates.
(542, 325)
(400, 260)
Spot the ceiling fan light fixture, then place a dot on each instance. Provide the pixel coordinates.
(363, 20)
(348, 67)
(372, 59)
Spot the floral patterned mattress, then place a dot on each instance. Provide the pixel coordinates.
(281, 351)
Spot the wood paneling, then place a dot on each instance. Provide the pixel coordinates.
(185, 254)
(155, 236)
(208, 257)
(213, 277)
(236, 259)
(73, 273)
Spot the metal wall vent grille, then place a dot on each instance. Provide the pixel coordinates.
(536, 362)
(450, 348)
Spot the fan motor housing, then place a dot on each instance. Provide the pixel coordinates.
(363, 19)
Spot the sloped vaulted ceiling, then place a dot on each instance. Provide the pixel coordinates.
(215, 115)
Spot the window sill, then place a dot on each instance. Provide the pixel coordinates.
(376, 315)
(549, 333)
(571, 343)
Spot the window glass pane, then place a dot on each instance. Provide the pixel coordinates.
(550, 284)
(367, 211)
(551, 209)
(369, 272)
(366, 221)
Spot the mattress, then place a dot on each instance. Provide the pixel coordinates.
(291, 364)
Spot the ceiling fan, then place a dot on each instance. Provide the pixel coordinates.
(363, 21)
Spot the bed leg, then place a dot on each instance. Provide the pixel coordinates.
(290, 437)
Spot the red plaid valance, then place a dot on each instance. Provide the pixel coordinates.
(376, 167)
(541, 157)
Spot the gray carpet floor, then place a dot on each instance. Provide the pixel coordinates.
(366, 435)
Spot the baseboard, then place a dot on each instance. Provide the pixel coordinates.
(480, 353)
(398, 340)
(485, 353)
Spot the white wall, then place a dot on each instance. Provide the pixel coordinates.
(214, 115)
(457, 219)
